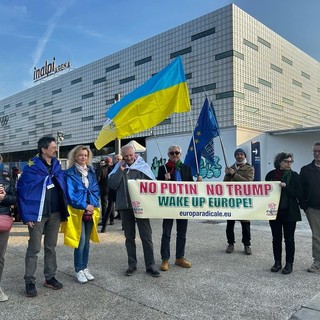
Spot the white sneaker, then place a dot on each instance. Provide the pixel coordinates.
(81, 277)
(88, 275)
(3, 296)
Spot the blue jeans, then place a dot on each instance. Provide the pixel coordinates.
(81, 254)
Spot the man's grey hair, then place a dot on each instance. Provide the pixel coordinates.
(175, 146)
(317, 143)
(125, 148)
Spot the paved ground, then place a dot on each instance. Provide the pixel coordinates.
(218, 286)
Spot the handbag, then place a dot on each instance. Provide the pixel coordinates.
(86, 216)
(6, 222)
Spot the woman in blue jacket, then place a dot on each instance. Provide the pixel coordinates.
(83, 207)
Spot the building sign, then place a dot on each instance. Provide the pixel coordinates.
(49, 69)
(4, 120)
(256, 160)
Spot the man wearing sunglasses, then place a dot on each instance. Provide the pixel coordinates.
(174, 170)
(239, 171)
(310, 181)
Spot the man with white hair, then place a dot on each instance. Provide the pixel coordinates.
(133, 167)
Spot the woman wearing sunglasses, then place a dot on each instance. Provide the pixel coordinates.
(288, 210)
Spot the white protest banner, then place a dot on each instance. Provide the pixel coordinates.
(205, 200)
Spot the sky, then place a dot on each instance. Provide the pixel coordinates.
(83, 31)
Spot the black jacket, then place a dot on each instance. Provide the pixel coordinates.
(186, 174)
(310, 181)
(10, 197)
(293, 194)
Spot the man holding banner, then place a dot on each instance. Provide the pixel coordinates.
(174, 170)
(239, 171)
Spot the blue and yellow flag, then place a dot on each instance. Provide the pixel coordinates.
(148, 105)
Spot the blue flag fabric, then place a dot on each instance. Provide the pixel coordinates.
(204, 133)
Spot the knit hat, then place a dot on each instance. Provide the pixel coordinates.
(238, 151)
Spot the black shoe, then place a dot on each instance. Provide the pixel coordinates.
(31, 290)
(153, 273)
(276, 267)
(53, 283)
(130, 271)
(100, 224)
(111, 223)
(103, 229)
(287, 268)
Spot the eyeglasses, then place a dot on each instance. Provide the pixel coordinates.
(288, 161)
(174, 153)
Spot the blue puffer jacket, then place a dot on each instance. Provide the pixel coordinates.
(78, 196)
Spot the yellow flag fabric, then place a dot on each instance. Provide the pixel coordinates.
(72, 228)
(148, 105)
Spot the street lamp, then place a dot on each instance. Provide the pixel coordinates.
(60, 138)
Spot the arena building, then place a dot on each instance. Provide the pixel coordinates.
(263, 88)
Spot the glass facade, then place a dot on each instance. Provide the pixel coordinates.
(253, 76)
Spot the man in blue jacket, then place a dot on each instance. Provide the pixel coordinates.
(42, 205)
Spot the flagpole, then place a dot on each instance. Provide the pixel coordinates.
(153, 135)
(223, 151)
(194, 145)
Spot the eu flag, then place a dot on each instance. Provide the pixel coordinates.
(202, 144)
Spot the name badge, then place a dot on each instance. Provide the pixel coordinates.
(50, 186)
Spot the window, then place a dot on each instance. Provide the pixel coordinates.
(57, 91)
(180, 52)
(204, 88)
(18, 104)
(6, 106)
(250, 44)
(86, 96)
(275, 68)
(24, 143)
(76, 81)
(32, 103)
(142, 61)
(287, 101)
(251, 109)
(264, 42)
(103, 79)
(188, 76)
(114, 67)
(47, 104)
(74, 110)
(18, 129)
(32, 118)
(40, 125)
(305, 95)
(305, 75)
(24, 114)
(87, 118)
(56, 124)
(32, 133)
(56, 111)
(229, 94)
(251, 88)
(97, 128)
(276, 106)
(229, 53)
(203, 34)
(125, 80)
(297, 83)
(286, 60)
(264, 82)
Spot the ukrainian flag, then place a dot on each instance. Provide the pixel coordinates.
(148, 105)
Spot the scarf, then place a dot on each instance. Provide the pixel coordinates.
(172, 166)
(238, 164)
(84, 174)
(139, 165)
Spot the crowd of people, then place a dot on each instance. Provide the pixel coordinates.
(49, 198)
